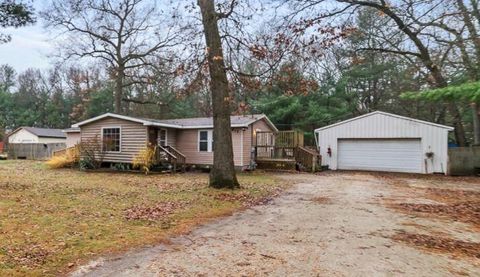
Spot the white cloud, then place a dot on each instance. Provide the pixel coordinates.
(29, 48)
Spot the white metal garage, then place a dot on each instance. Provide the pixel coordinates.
(380, 141)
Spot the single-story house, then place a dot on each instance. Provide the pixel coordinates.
(381, 141)
(73, 136)
(36, 135)
(192, 137)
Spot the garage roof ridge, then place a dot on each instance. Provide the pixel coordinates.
(386, 114)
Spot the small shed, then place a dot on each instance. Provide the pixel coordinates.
(381, 141)
(36, 135)
(35, 143)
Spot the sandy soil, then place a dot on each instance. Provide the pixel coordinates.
(334, 224)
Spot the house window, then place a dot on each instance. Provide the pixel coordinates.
(205, 141)
(162, 137)
(111, 139)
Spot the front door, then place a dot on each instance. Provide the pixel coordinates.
(152, 136)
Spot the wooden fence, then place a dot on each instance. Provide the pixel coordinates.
(464, 160)
(33, 151)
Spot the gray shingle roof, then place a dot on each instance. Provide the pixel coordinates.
(208, 121)
(237, 121)
(44, 132)
(72, 130)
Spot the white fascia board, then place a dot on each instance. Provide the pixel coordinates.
(157, 124)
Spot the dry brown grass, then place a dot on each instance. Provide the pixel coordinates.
(52, 220)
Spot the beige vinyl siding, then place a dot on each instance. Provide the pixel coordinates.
(187, 143)
(73, 139)
(133, 137)
(172, 138)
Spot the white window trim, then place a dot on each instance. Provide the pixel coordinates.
(209, 140)
(112, 127)
(166, 136)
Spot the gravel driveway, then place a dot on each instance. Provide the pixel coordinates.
(328, 224)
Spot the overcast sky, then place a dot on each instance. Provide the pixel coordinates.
(29, 47)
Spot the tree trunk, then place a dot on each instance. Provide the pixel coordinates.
(476, 123)
(120, 74)
(222, 174)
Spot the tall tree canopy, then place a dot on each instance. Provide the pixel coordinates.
(14, 14)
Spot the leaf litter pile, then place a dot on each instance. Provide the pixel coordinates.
(246, 199)
(439, 244)
(457, 205)
(153, 212)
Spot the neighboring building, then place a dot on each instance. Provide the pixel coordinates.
(35, 143)
(192, 137)
(36, 135)
(73, 136)
(380, 141)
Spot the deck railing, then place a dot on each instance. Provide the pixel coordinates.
(274, 152)
(307, 158)
(172, 156)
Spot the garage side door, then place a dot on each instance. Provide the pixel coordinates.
(395, 155)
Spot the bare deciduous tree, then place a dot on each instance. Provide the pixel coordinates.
(403, 16)
(122, 34)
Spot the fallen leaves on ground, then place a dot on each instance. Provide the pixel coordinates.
(153, 212)
(468, 212)
(322, 200)
(245, 198)
(452, 196)
(52, 220)
(30, 257)
(439, 244)
(458, 205)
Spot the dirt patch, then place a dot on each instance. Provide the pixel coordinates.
(322, 200)
(439, 244)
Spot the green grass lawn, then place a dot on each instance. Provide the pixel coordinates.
(54, 219)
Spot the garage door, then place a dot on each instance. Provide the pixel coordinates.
(395, 155)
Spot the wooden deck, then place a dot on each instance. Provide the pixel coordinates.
(285, 150)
